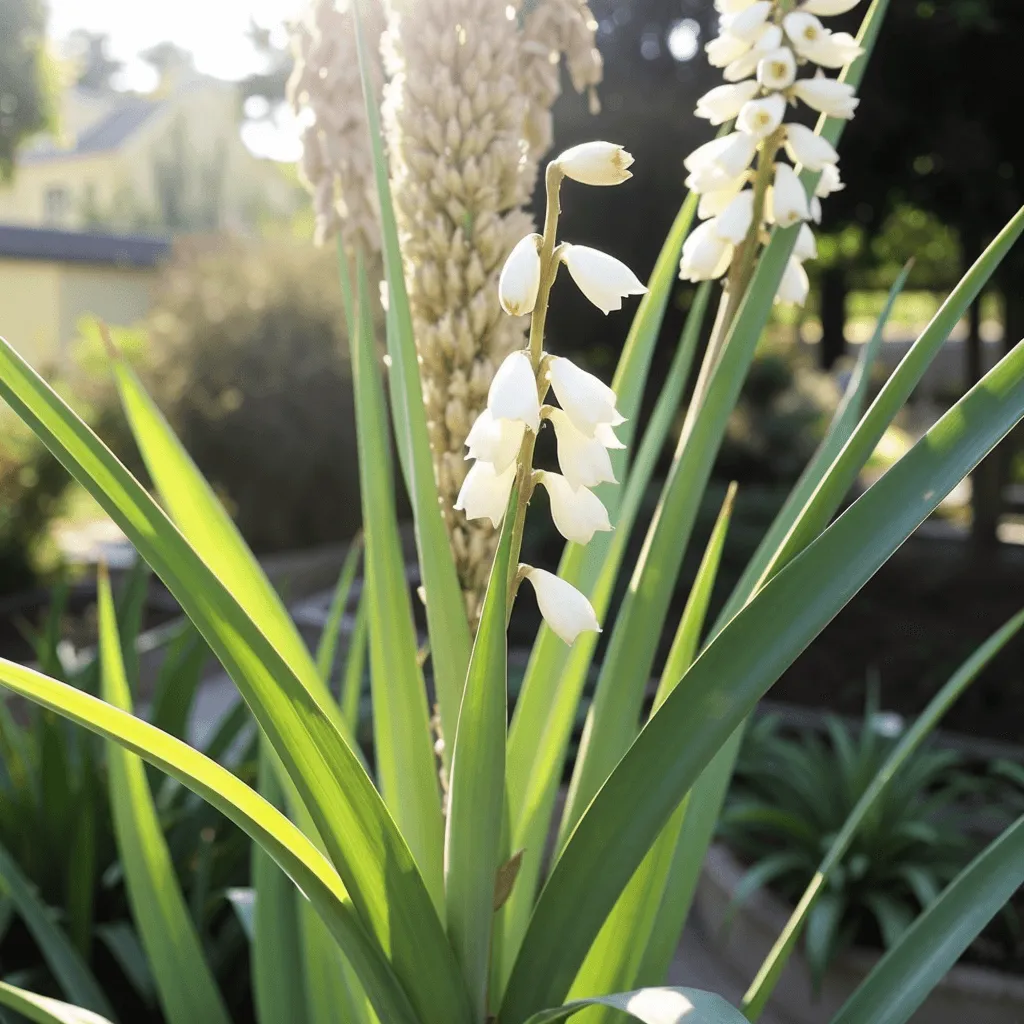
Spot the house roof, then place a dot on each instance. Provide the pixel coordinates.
(109, 132)
(27, 243)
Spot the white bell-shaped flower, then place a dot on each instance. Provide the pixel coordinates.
(746, 23)
(586, 399)
(513, 393)
(794, 285)
(578, 513)
(604, 433)
(713, 203)
(706, 255)
(720, 165)
(816, 43)
(520, 277)
(805, 247)
(734, 221)
(760, 118)
(494, 440)
(725, 49)
(566, 611)
(787, 200)
(809, 149)
(602, 278)
(596, 163)
(828, 8)
(484, 493)
(583, 459)
(815, 204)
(829, 182)
(724, 102)
(827, 96)
(777, 70)
(768, 39)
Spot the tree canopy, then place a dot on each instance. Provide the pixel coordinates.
(24, 72)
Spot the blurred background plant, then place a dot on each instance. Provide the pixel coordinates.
(794, 789)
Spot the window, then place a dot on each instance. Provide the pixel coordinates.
(56, 205)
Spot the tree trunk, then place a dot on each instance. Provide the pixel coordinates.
(833, 316)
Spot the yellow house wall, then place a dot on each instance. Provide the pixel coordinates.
(41, 303)
(30, 309)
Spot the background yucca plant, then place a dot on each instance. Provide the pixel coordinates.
(405, 913)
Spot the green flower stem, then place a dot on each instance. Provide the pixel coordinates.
(549, 260)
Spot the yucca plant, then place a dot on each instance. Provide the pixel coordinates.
(412, 909)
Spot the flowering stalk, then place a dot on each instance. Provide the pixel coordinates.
(762, 46)
(587, 415)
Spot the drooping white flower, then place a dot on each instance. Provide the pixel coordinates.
(725, 49)
(746, 23)
(578, 514)
(596, 163)
(719, 164)
(520, 277)
(566, 611)
(829, 181)
(827, 96)
(513, 392)
(815, 204)
(768, 39)
(496, 441)
(602, 278)
(706, 255)
(816, 43)
(713, 203)
(827, 8)
(805, 247)
(777, 70)
(724, 102)
(787, 200)
(760, 118)
(484, 493)
(586, 399)
(745, 64)
(794, 285)
(808, 148)
(604, 433)
(734, 221)
(583, 459)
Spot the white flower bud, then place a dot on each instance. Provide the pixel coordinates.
(706, 255)
(805, 247)
(729, 155)
(495, 441)
(566, 611)
(725, 49)
(829, 181)
(828, 8)
(827, 96)
(794, 286)
(768, 39)
(713, 203)
(813, 41)
(578, 514)
(586, 399)
(485, 493)
(742, 67)
(520, 277)
(777, 70)
(583, 460)
(513, 393)
(787, 200)
(746, 24)
(724, 102)
(602, 278)
(809, 149)
(816, 209)
(760, 118)
(596, 163)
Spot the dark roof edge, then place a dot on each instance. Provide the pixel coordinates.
(31, 243)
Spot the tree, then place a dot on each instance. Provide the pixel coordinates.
(25, 103)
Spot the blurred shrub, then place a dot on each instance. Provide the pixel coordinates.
(782, 414)
(249, 363)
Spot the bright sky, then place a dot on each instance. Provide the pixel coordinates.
(213, 30)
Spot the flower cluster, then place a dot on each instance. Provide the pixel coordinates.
(762, 47)
(502, 438)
